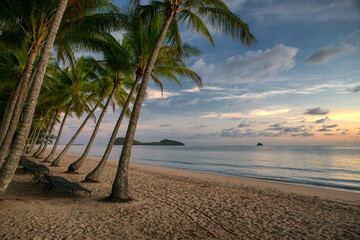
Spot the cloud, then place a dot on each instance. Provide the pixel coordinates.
(197, 89)
(156, 94)
(326, 128)
(354, 89)
(234, 5)
(288, 131)
(310, 10)
(189, 103)
(316, 111)
(322, 120)
(304, 134)
(245, 124)
(325, 54)
(330, 126)
(262, 112)
(248, 67)
(271, 93)
(256, 112)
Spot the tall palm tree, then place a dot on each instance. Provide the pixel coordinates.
(47, 139)
(30, 20)
(137, 46)
(35, 138)
(71, 89)
(117, 92)
(174, 11)
(8, 169)
(47, 129)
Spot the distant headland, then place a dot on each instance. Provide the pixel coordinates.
(165, 142)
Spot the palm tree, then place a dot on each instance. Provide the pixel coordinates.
(12, 64)
(36, 135)
(117, 77)
(22, 20)
(137, 46)
(47, 140)
(32, 19)
(8, 169)
(71, 89)
(47, 129)
(174, 12)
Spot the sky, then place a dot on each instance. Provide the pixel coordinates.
(298, 85)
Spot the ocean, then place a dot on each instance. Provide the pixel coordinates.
(322, 166)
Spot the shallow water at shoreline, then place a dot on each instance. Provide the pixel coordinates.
(325, 166)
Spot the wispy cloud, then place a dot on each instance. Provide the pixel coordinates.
(354, 89)
(156, 94)
(197, 89)
(253, 113)
(322, 120)
(325, 54)
(251, 66)
(316, 111)
(310, 10)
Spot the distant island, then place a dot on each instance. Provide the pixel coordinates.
(165, 142)
(259, 144)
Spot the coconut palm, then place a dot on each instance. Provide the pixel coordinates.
(36, 135)
(69, 88)
(12, 64)
(8, 169)
(47, 139)
(32, 19)
(174, 12)
(137, 46)
(117, 77)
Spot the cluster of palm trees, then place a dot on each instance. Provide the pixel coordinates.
(41, 80)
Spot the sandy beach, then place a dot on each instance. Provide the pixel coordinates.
(176, 204)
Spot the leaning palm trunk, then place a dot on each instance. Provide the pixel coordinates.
(48, 125)
(77, 164)
(41, 153)
(9, 110)
(120, 191)
(33, 142)
(47, 159)
(93, 176)
(8, 169)
(4, 150)
(32, 135)
(59, 157)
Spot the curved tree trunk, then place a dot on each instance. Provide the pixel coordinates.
(38, 132)
(4, 150)
(9, 110)
(47, 159)
(41, 153)
(120, 190)
(77, 164)
(32, 135)
(48, 125)
(8, 169)
(59, 157)
(93, 176)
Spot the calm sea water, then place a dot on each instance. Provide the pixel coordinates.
(324, 166)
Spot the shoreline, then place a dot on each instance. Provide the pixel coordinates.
(175, 204)
(345, 195)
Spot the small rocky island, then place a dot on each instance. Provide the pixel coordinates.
(165, 142)
(259, 144)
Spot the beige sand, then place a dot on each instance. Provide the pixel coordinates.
(176, 204)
